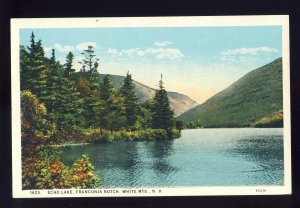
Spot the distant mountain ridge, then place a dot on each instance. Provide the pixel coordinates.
(179, 103)
(256, 95)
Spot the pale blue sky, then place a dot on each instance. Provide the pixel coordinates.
(196, 61)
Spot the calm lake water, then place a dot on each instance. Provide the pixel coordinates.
(201, 157)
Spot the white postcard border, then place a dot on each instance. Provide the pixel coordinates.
(262, 20)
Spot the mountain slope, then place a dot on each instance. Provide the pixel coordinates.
(256, 95)
(179, 103)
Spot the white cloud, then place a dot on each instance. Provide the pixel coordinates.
(165, 53)
(163, 43)
(83, 46)
(112, 51)
(66, 48)
(140, 53)
(130, 52)
(62, 48)
(249, 51)
(158, 53)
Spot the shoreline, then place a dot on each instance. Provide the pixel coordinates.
(139, 140)
(68, 144)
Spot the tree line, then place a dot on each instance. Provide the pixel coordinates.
(79, 100)
(60, 105)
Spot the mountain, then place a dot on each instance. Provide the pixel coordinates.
(179, 103)
(255, 96)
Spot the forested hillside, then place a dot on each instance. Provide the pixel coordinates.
(255, 96)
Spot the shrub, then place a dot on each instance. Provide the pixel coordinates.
(35, 127)
(41, 172)
(45, 170)
(82, 175)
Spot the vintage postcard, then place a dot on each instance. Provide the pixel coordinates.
(152, 106)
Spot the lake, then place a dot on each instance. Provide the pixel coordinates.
(201, 157)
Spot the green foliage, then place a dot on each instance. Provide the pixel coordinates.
(35, 127)
(92, 106)
(82, 175)
(144, 118)
(44, 170)
(88, 86)
(113, 114)
(106, 89)
(83, 87)
(89, 67)
(59, 105)
(62, 99)
(193, 124)
(162, 115)
(69, 70)
(78, 100)
(33, 68)
(256, 95)
(179, 125)
(130, 101)
(274, 120)
(42, 173)
(103, 135)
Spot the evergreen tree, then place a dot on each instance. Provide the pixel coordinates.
(69, 70)
(74, 104)
(33, 68)
(113, 112)
(25, 71)
(53, 88)
(162, 117)
(90, 84)
(83, 87)
(62, 99)
(144, 118)
(130, 100)
(92, 107)
(106, 88)
(89, 67)
(91, 103)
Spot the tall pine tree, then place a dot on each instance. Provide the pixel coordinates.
(113, 115)
(74, 103)
(90, 66)
(33, 68)
(162, 117)
(62, 99)
(69, 70)
(106, 88)
(53, 87)
(130, 100)
(90, 78)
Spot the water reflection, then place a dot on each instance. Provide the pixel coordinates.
(161, 164)
(202, 157)
(163, 168)
(124, 158)
(160, 149)
(266, 153)
(259, 148)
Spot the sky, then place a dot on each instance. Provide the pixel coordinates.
(195, 61)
